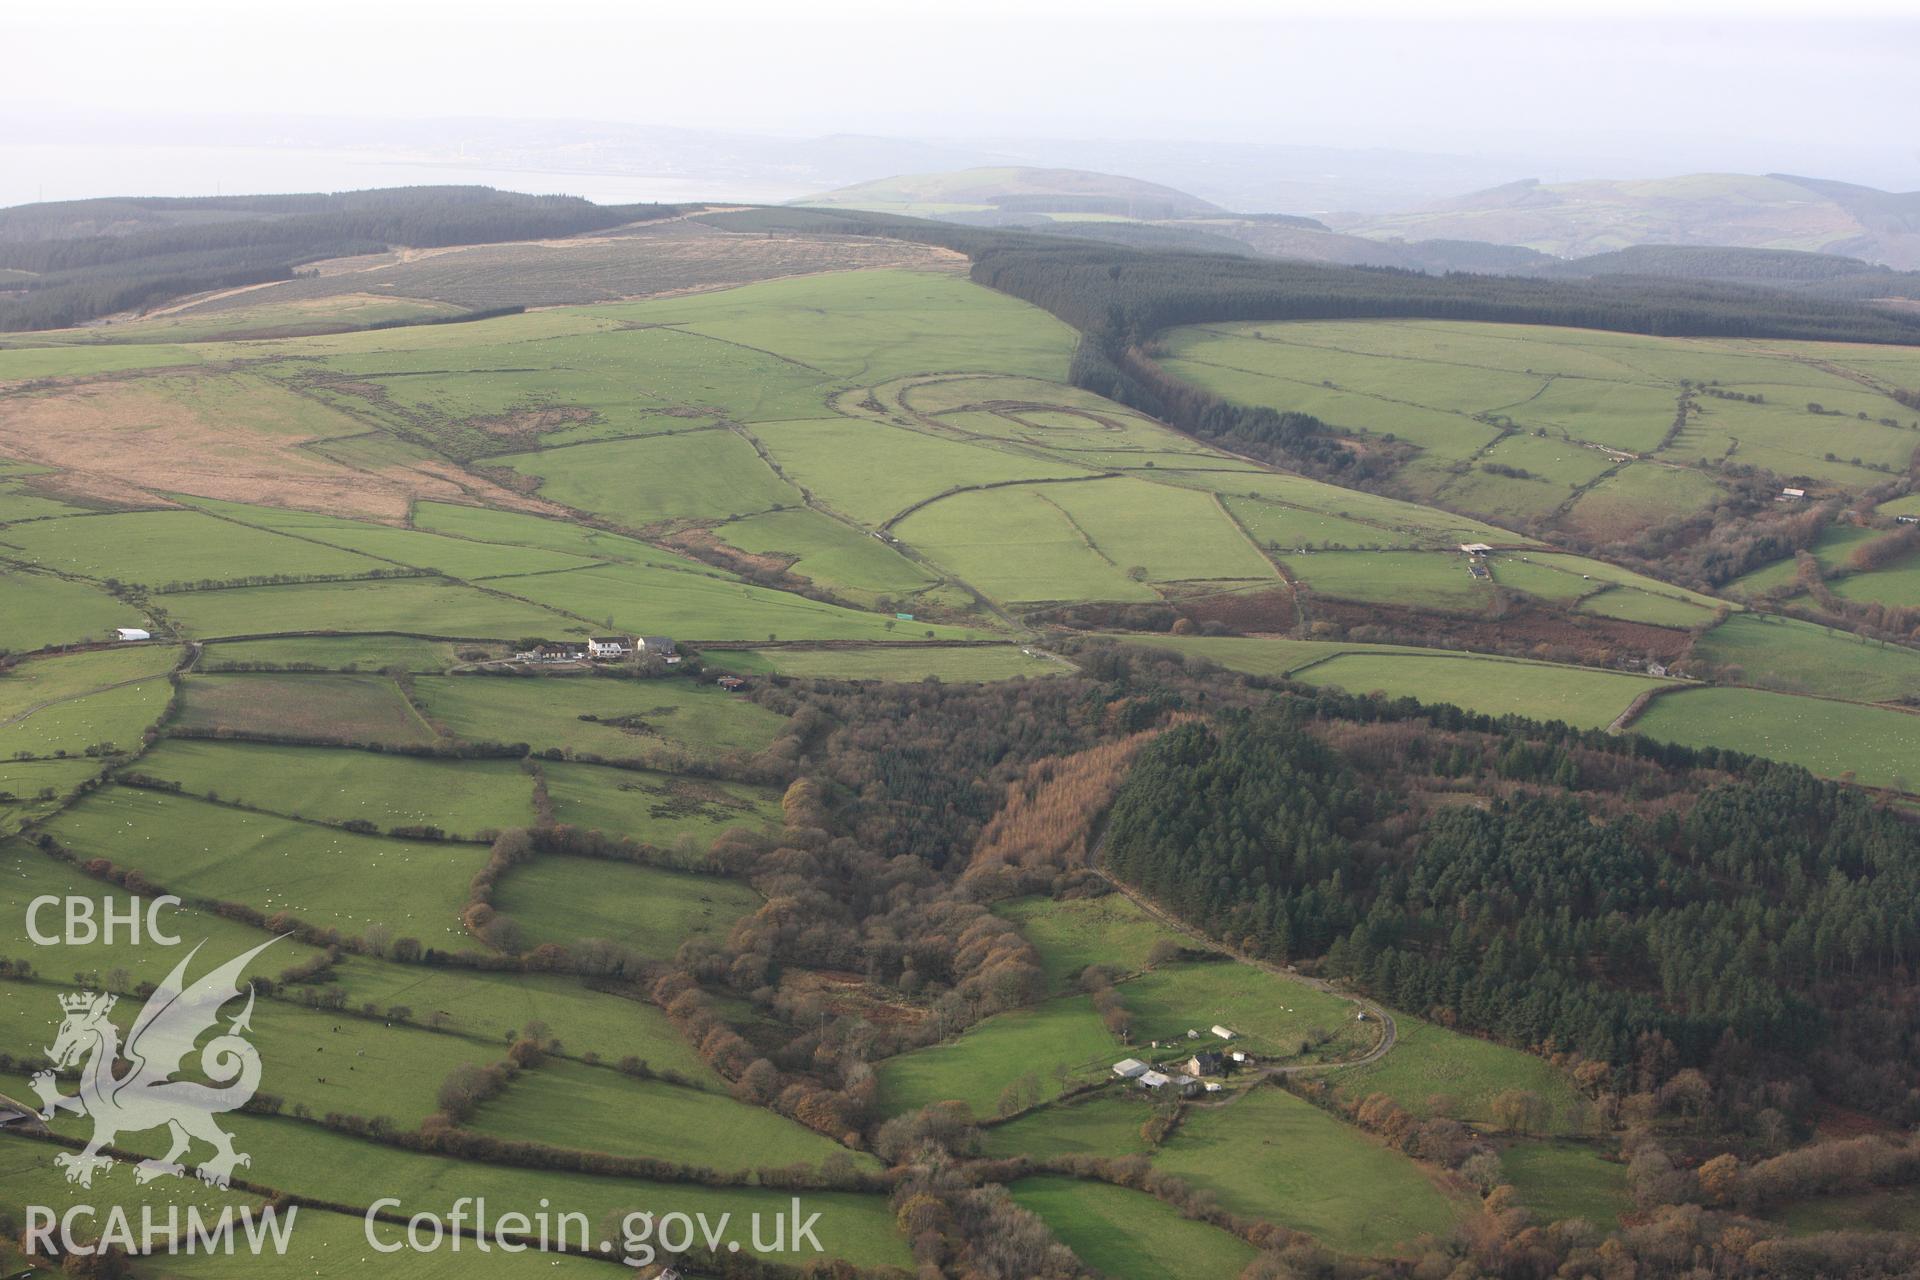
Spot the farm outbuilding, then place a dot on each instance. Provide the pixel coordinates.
(1129, 1068)
(1223, 1032)
(131, 633)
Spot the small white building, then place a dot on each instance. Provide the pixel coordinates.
(1151, 1080)
(1239, 1056)
(131, 633)
(1214, 1086)
(1791, 495)
(1222, 1032)
(1475, 548)
(1129, 1068)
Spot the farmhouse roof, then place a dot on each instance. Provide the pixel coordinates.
(663, 644)
(1475, 548)
(1128, 1068)
(1152, 1079)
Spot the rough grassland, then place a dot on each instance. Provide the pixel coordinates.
(644, 909)
(353, 708)
(633, 716)
(319, 874)
(976, 665)
(1880, 747)
(1274, 1156)
(1561, 1180)
(658, 808)
(1130, 1235)
(1103, 1124)
(462, 797)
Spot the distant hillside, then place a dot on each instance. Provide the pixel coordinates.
(1017, 191)
(70, 262)
(1578, 219)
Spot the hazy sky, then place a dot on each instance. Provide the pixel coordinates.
(1731, 86)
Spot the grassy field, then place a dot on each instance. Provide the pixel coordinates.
(644, 909)
(1561, 1180)
(1423, 580)
(423, 606)
(569, 1104)
(1070, 935)
(157, 548)
(44, 609)
(62, 705)
(31, 789)
(1128, 1234)
(1019, 544)
(989, 1056)
(1434, 1071)
(1271, 1155)
(207, 851)
(461, 797)
(629, 717)
(698, 475)
(1802, 657)
(1875, 745)
(828, 553)
(354, 708)
(1580, 696)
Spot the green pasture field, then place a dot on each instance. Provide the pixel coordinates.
(866, 327)
(1907, 506)
(700, 475)
(1271, 1155)
(63, 704)
(411, 548)
(422, 606)
(645, 909)
(1270, 1014)
(1581, 696)
(1601, 572)
(1895, 583)
(333, 1167)
(278, 320)
(356, 708)
(25, 364)
(1434, 1071)
(1017, 544)
(1000, 1051)
(828, 552)
(1159, 532)
(973, 665)
(461, 797)
(1265, 655)
(1562, 1180)
(570, 1104)
(1417, 525)
(545, 711)
(323, 1061)
(1831, 549)
(1803, 657)
(27, 873)
(1100, 1124)
(1630, 416)
(1285, 528)
(345, 653)
(1519, 573)
(1420, 580)
(318, 874)
(514, 528)
(1074, 933)
(659, 808)
(694, 606)
(43, 609)
(1630, 604)
(1877, 745)
(1128, 1234)
(157, 548)
(24, 784)
(872, 471)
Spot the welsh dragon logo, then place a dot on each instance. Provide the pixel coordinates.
(146, 1096)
